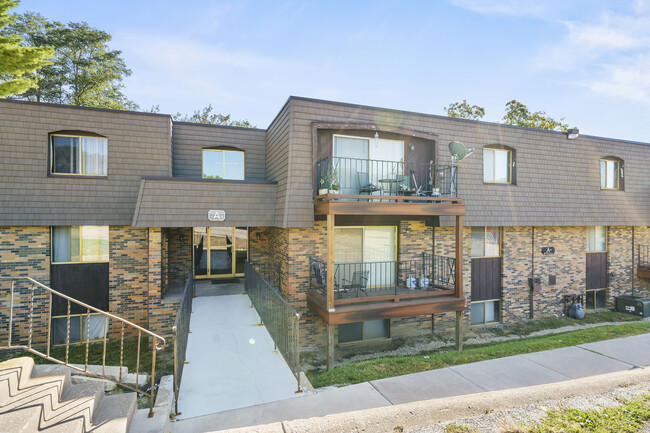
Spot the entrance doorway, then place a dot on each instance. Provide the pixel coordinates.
(219, 252)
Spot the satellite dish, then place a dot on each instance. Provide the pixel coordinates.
(459, 151)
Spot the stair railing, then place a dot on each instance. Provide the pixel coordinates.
(43, 311)
(181, 330)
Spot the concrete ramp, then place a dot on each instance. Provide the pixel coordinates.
(231, 361)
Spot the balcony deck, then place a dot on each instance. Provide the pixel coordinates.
(358, 204)
(643, 261)
(414, 303)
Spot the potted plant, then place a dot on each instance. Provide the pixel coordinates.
(329, 183)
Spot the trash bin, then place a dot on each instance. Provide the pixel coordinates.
(633, 305)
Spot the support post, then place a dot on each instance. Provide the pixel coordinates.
(459, 330)
(459, 257)
(330, 347)
(330, 262)
(459, 280)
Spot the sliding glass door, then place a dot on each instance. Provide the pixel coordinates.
(219, 251)
(372, 250)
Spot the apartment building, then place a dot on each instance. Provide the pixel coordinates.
(358, 215)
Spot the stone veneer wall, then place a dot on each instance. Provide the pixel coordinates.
(568, 264)
(24, 252)
(179, 255)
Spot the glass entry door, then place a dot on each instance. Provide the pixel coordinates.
(219, 251)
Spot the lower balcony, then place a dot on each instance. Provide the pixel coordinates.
(381, 290)
(643, 261)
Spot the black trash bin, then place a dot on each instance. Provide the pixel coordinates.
(633, 305)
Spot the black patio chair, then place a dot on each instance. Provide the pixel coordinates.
(359, 282)
(321, 278)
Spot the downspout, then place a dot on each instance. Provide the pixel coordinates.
(633, 275)
(532, 287)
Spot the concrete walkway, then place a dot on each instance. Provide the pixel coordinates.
(231, 361)
(498, 374)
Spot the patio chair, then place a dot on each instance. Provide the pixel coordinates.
(365, 187)
(321, 279)
(359, 282)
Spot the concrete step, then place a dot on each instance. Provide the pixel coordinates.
(18, 390)
(76, 407)
(23, 420)
(115, 413)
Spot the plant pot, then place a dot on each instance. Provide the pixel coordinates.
(322, 191)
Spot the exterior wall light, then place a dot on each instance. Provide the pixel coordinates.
(573, 133)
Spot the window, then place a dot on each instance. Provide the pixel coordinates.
(370, 330)
(498, 165)
(596, 299)
(596, 239)
(74, 244)
(78, 325)
(486, 242)
(611, 173)
(78, 155)
(223, 164)
(486, 312)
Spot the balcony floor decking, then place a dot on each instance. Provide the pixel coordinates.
(643, 271)
(384, 304)
(346, 204)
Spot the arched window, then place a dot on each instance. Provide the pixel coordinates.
(611, 173)
(223, 162)
(499, 164)
(78, 153)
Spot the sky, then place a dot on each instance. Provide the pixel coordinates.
(587, 61)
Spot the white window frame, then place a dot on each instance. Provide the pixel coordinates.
(493, 168)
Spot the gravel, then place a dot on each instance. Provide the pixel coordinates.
(499, 420)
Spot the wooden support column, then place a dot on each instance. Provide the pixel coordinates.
(459, 280)
(330, 262)
(459, 330)
(459, 257)
(330, 346)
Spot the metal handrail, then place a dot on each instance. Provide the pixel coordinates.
(643, 256)
(158, 341)
(277, 315)
(181, 330)
(352, 176)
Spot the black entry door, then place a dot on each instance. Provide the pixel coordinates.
(85, 282)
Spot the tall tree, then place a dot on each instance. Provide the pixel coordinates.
(464, 110)
(85, 71)
(17, 62)
(518, 114)
(206, 116)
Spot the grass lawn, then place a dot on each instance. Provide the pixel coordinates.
(379, 368)
(77, 355)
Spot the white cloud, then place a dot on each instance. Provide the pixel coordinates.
(609, 55)
(506, 7)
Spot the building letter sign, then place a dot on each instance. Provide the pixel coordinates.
(216, 215)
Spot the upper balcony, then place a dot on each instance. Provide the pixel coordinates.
(356, 186)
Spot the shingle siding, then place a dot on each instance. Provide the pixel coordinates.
(189, 139)
(185, 203)
(278, 162)
(138, 145)
(558, 180)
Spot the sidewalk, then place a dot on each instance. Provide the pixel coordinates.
(498, 374)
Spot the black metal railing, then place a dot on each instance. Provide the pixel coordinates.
(181, 330)
(384, 278)
(280, 319)
(355, 176)
(643, 255)
(269, 270)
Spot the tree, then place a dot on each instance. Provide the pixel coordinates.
(518, 114)
(206, 116)
(464, 110)
(84, 71)
(17, 62)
